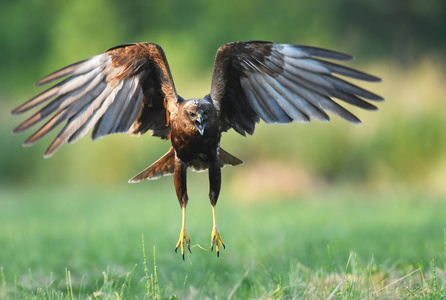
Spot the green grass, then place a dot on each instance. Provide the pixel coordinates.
(99, 243)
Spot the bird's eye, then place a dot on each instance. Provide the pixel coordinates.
(192, 114)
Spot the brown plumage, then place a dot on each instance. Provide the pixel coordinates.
(130, 89)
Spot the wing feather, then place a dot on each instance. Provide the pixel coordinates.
(55, 120)
(121, 90)
(69, 106)
(255, 100)
(42, 97)
(270, 106)
(95, 112)
(317, 98)
(112, 115)
(299, 51)
(88, 91)
(131, 112)
(78, 68)
(77, 121)
(279, 83)
(296, 103)
(345, 71)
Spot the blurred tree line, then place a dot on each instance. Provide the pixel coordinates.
(39, 36)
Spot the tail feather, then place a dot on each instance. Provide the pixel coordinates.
(165, 165)
(228, 159)
(225, 159)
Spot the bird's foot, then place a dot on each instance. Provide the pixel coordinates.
(184, 237)
(216, 240)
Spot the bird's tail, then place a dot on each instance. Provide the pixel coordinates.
(165, 165)
(228, 159)
(225, 159)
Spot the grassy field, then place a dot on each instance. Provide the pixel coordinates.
(318, 211)
(62, 243)
(341, 212)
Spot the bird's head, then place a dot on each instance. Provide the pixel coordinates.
(197, 111)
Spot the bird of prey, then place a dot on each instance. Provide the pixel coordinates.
(129, 88)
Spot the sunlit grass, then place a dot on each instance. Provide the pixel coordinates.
(340, 244)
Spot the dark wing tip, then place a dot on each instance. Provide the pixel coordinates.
(352, 119)
(363, 76)
(52, 148)
(18, 129)
(374, 78)
(42, 81)
(379, 98)
(16, 110)
(373, 97)
(370, 78)
(61, 72)
(324, 53)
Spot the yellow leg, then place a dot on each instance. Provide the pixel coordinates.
(183, 235)
(215, 235)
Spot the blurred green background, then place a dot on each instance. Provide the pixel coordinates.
(377, 189)
(403, 145)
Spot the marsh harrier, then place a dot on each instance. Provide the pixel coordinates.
(129, 88)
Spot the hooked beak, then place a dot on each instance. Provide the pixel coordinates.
(200, 124)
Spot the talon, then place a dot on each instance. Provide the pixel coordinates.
(216, 240)
(184, 237)
(215, 235)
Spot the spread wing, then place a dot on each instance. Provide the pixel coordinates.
(281, 83)
(129, 88)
